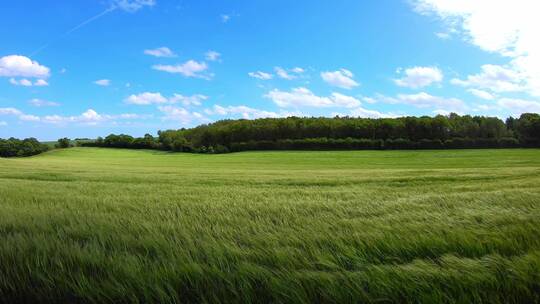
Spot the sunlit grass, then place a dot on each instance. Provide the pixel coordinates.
(102, 225)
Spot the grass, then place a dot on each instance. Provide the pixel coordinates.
(103, 225)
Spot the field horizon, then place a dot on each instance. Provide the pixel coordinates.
(100, 225)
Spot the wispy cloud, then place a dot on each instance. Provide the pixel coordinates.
(160, 52)
(103, 82)
(36, 102)
(190, 68)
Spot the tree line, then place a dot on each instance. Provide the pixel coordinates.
(14, 147)
(303, 133)
(340, 133)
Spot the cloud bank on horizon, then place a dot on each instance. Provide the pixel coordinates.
(160, 66)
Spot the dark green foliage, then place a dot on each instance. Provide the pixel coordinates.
(63, 143)
(528, 129)
(341, 133)
(13, 147)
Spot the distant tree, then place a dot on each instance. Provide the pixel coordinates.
(63, 143)
(13, 147)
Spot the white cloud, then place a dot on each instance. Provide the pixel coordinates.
(22, 82)
(103, 82)
(3, 123)
(419, 77)
(225, 18)
(180, 114)
(342, 79)
(195, 100)
(443, 36)
(27, 117)
(282, 73)
(132, 5)
(519, 106)
(507, 28)
(495, 78)
(28, 83)
(10, 111)
(261, 75)
(89, 117)
(190, 68)
(302, 97)
(298, 70)
(148, 98)
(246, 112)
(212, 56)
(160, 52)
(481, 94)
(41, 83)
(362, 112)
(425, 100)
(43, 103)
(21, 66)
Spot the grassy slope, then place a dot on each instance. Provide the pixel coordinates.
(424, 226)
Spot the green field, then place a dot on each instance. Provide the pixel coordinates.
(104, 225)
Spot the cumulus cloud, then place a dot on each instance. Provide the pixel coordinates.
(180, 114)
(146, 98)
(21, 66)
(21, 82)
(302, 97)
(507, 28)
(149, 98)
(261, 75)
(419, 77)
(41, 83)
(519, 106)
(341, 79)
(43, 103)
(103, 82)
(10, 111)
(89, 117)
(28, 83)
(286, 74)
(425, 100)
(494, 78)
(28, 117)
(481, 94)
(190, 68)
(212, 56)
(194, 100)
(362, 112)
(245, 112)
(160, 52)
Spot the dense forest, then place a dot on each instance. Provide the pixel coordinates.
(13, 147)
(338, 133)
(295, 133)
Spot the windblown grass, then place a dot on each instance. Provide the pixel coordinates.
(102, 225)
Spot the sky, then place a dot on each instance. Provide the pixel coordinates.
(93, 67)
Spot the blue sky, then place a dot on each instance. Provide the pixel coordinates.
(90, 68)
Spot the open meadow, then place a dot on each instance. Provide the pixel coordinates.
(106, 225)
